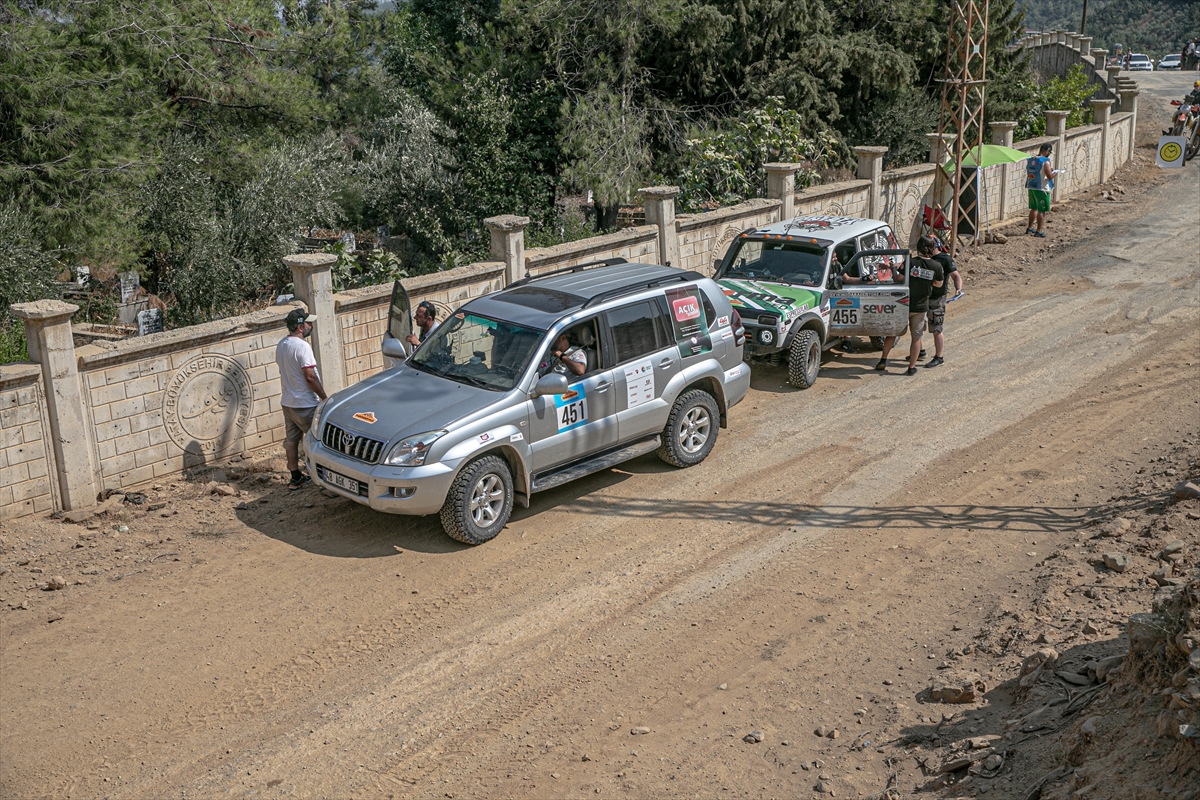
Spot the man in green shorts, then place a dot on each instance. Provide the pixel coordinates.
(1039, 180)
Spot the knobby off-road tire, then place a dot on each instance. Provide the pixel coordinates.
(479, 502)
(691, 430)
(804, 359)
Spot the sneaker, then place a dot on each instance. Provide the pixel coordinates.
(882, 365)
(1040, 234)
(910, 371)
(295, 484)
(1030, 231)
(920, 355)
(936, 361)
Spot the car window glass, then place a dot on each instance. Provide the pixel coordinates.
(583, 343)
(635, 331)
(710, 313)
(475, 350)
(786, 262)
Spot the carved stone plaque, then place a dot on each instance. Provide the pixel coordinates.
(206, 406)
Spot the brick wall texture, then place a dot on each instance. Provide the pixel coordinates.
(26, 471)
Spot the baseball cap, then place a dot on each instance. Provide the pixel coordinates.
(296, 316)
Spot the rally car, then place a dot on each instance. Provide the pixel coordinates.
(787, 281)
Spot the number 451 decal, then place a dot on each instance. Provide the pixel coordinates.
(571, 408)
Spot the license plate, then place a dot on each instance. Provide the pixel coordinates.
(341, 481)
(844, 316)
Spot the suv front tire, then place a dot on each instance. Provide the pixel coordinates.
(479, 502)
(804, 359)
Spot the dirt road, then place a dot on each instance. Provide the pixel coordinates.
(805, 575)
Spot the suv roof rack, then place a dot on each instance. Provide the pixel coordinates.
(682, 277)
(604, 262)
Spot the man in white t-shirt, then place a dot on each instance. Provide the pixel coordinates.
(302, 389)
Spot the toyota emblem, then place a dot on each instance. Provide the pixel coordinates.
(347, 442)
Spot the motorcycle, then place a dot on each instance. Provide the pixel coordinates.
(1186, 123)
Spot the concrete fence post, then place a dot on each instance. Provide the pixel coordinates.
(48, 331)
(1114, 72)
(938, 147)
(1129, 96)
(1002, 134)
(659, 202)
(1085, 46)
(1056, 125)
(508, 244)
(312, 282)
(870, 168)
(1100, 116)
(781, 186)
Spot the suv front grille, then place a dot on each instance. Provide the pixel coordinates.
(351, 444)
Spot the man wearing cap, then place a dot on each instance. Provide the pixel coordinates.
(302, 389)
(425, 318)
(1039, 179)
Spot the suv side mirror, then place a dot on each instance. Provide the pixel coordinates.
(552, 384)
(394, 348)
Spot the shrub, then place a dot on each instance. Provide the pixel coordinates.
(27, 273)
(1068, 93)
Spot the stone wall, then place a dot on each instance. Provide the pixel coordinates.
(1055, 52)
(631, 244)
(26, 484)
(154, 405)
(705, 237)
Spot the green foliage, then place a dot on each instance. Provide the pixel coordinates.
(1063, 94)
(216, 248)
(900, 121)
(727, 166)
(26, 273)
(349, 272)
(1153, 27)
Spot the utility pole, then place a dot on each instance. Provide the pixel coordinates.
(1083, 22)
(962, 108)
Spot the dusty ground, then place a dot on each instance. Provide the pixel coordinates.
(840, 545)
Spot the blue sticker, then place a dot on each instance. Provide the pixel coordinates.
(571, 408)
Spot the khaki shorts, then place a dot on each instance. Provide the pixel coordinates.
(297, 421)
(936, 316)
(916, 324)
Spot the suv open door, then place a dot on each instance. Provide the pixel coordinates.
(879, 308)
(400, 326)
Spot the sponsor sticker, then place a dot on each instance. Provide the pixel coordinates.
(639, 383)
(922, 273)
(485, 437)
(366, 416)
(517, 437)
(722, 322)
(685, 308)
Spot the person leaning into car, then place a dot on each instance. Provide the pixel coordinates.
(924, 275)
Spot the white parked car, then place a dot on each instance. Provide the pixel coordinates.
(1140, 62)
(1170, 61)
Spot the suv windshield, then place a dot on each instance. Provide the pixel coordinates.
(478, 351)
(787, 262)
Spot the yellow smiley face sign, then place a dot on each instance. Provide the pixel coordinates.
(1170, 152)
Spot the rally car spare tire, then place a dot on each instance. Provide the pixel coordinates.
(479, 502)
(691, 430)
(804, 359)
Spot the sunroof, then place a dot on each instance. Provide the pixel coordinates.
(541, 299)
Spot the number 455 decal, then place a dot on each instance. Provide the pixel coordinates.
(571, 408)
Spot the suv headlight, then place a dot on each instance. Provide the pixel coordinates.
(316, 420)
(412, 451)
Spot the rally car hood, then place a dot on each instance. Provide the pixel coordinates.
(785, 299)
(404, 401)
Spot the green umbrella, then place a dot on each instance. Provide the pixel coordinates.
(993, 154)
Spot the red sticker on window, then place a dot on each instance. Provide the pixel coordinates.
(685, 308)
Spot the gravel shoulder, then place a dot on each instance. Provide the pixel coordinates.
(837, 547)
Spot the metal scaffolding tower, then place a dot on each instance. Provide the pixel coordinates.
(962, 112)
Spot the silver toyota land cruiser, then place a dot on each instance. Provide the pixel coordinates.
(484, 413)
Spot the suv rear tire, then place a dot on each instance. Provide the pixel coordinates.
(691, 431)
(479, 502)
(804, 359)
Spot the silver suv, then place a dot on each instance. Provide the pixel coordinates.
(484, 412)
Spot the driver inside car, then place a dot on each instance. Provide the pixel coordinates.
(565, 358)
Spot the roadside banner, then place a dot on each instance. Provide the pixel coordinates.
(1170, 151)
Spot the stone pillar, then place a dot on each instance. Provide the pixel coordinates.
(1129, 98)
(870, 168)
(1056, 125)
(1099, 58)
(938, 147)
(1085, 45)
(312, 282)
(1114, 72)
(48, 331)
(659, 202)
(781, 186)
(1100, 116)
(508, 244)
(1002, 134)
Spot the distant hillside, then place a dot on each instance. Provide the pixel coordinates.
(1058, 15)
(1154, 27)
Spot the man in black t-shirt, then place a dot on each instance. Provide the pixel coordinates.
(925, 275)
(936, 315)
